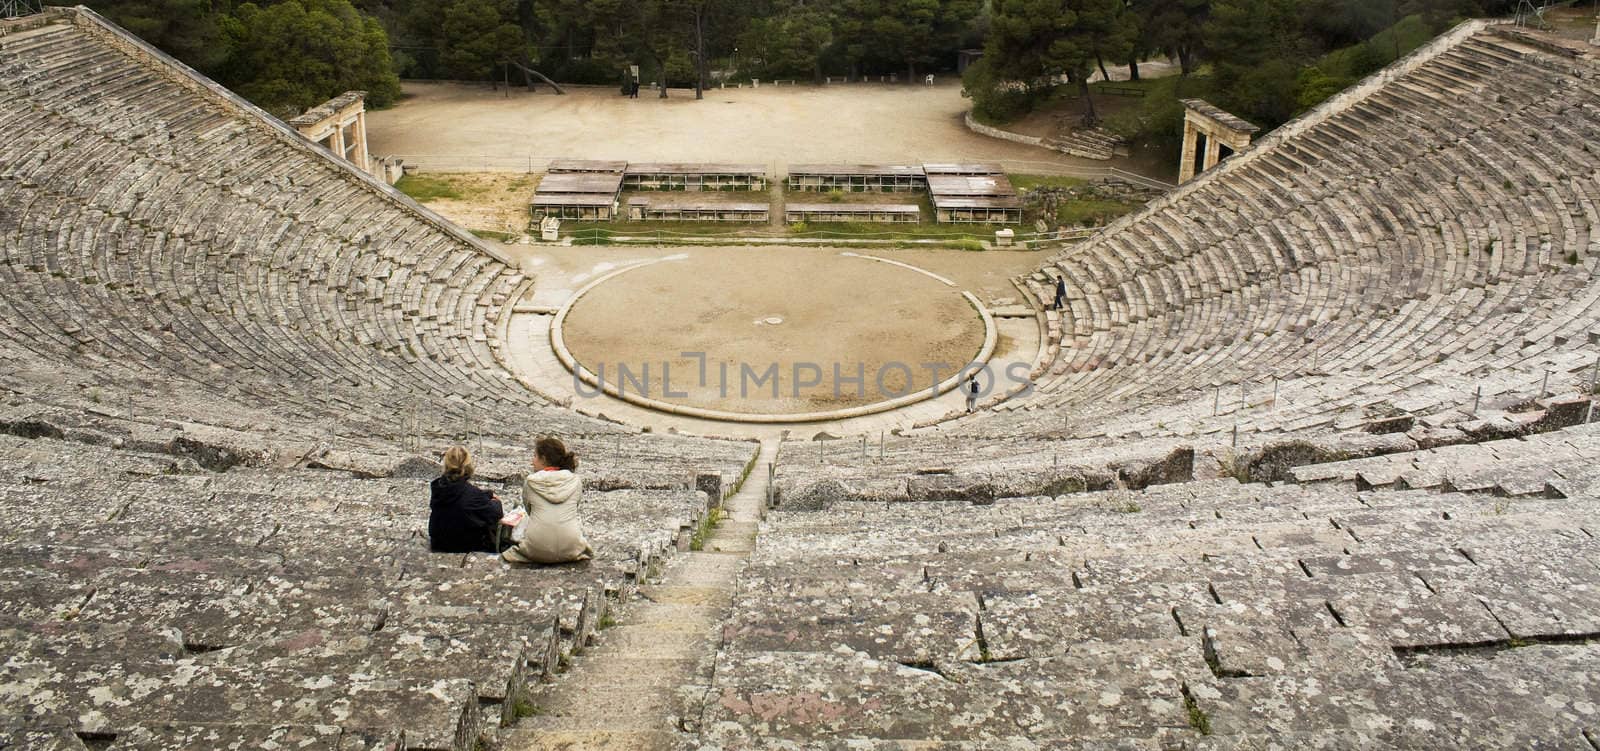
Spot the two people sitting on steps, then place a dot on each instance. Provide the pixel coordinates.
(465, 518)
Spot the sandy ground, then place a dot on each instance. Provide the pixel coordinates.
(468, 128)
(495, 201)
(560, 271)
(751, 311)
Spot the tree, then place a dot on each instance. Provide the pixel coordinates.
(1035, 42)
(190, 30)
(792, 43)
(477, 36)
(1258, 48)
(901, 33)
(1177, 27)
(296, 54)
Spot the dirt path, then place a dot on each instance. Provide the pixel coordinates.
(467, 128)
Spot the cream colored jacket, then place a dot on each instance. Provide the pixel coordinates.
(553, 531)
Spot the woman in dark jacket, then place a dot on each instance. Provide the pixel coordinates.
(464, 517)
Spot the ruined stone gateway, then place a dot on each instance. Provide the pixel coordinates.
(1308, 462)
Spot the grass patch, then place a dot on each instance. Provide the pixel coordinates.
(1198, 719)
(425, 188)
(708, 523)
(1030, 182)
(525, 708)
(1093, 211)
(489, 234)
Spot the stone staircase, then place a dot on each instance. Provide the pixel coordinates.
(1090, 143)
(644, 681)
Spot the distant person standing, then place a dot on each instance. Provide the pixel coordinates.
(972, 393)
(1061, 293)
(633, 89)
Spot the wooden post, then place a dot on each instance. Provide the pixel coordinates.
(1477, 397)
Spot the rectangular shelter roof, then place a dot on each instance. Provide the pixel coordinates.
(977, 202)
(970, 185)
(581, 182)
(892, 170)
(574, 199)
(586, 165)
(855, 208)
(948, 168)
(692, 168)
(681, 203)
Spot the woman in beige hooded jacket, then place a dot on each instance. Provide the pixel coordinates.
(553, 532)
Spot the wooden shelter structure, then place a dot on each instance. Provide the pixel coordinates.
(694, 176)
(857, 178)
(885, 213)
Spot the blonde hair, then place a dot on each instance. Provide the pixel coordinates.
(458, 464)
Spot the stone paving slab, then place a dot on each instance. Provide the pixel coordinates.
(906, 627)
(1093, 692)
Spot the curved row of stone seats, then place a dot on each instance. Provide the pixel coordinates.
(150, 205)
(919, 468)
(1407, 234)
(1206, 614)
(173, 253)
(932, 465)
(142, 596)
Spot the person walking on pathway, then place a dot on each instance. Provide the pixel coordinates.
(1061, 292)
(972, 393)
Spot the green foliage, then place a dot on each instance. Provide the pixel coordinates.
(1198, 719)
(1026, 183)
(1257, 49)
(1340, 68)
(996, 101)
(295, 54)
(423, 188)
(190, 30)
(1177, 27)
(893, 35)
(475, 36)
(285, 56)
(1158, 120)
(702, 532)
(790, 44)
(1034, 43)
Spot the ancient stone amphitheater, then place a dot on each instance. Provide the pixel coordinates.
(1307, 464)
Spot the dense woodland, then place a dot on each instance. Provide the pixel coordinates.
(1265, 59)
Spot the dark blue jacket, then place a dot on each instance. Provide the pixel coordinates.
(463, 517)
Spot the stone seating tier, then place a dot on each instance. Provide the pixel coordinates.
(1403, 248)
(172, 247)
(308, 593)
(1200, 614)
